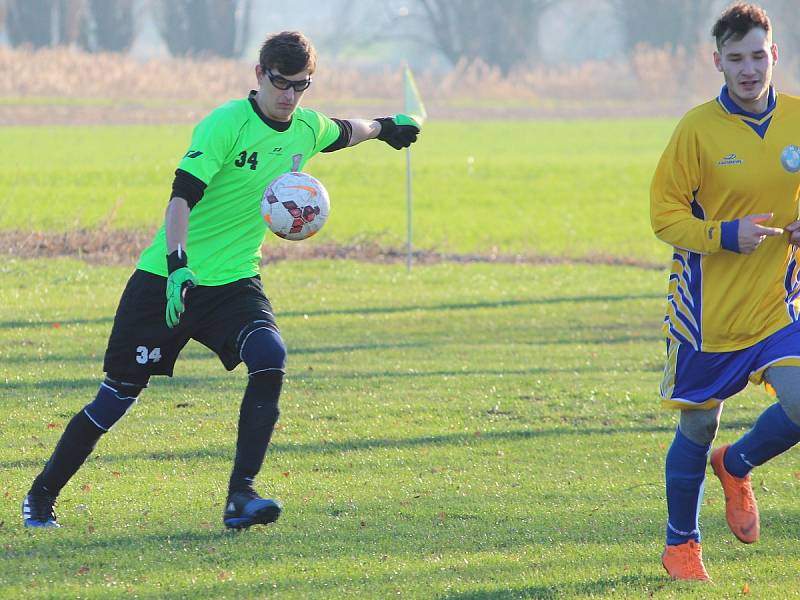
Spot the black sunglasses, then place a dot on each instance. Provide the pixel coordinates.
(284, 84)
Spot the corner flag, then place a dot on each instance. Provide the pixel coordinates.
(413, 103)
(415, 109)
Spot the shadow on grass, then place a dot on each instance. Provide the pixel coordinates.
(470, 305)
(319, 534)
(194, 355)
(601, 587)
(205, 380)
(418, 533)
(133, 541)
(370, 310)
(49, 323)
(225, 452)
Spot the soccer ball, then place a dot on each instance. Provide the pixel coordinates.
(295, 206)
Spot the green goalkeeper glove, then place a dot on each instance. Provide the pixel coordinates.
(399, 131)
(181, 278)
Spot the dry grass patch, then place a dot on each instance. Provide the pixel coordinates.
(123, 246)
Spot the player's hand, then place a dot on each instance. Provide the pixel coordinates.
(793, 229)
(751, 233)
(399, 131)
(178, 282)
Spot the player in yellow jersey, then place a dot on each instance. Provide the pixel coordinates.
(725, 196)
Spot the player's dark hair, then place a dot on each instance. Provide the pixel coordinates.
(288, 52)
(737, 21)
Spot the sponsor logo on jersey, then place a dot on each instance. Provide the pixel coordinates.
(729, 159)
(790, 158)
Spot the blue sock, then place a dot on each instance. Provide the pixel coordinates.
(685, 473)
(772, 434)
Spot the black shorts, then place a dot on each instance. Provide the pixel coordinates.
(142, 345)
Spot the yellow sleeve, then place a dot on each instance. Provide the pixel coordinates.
(675, 181)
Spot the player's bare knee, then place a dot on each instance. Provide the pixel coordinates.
(786, 382)
(113, 400)
(700, 426)
(262, 349)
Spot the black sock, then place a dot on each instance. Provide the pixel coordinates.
(257, 418)
(75, 445)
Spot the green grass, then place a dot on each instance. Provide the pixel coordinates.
(570, 188)
(462, 431)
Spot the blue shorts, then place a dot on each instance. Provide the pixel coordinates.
(694, 379)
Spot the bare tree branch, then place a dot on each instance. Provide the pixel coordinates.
(203, 27)
(109, 26)
(503, 34)
(31, 22)
(659, 23)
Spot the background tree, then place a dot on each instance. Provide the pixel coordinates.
(503, 34)
(660, 23)
(204, 27)
(108, 25)
(95, 25)
(783, 14)
(30, 22)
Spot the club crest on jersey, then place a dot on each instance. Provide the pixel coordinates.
(790, 158)
(729, 159)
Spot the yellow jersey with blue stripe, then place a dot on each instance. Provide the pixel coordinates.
(722, 164)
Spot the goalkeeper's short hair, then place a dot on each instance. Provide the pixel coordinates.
(288, 52)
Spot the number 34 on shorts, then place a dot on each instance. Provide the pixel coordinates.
(145, 355)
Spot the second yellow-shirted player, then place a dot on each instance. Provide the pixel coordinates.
(725, 196)
(720, 166)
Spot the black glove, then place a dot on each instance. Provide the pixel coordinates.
(399, 131)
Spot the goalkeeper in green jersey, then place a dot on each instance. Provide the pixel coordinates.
(199, 279)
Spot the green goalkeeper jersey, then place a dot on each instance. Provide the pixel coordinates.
(236, 153)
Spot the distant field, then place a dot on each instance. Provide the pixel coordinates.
(463, 432)
(565, 188)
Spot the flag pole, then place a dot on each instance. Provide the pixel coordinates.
(409, 211)
(416, 110)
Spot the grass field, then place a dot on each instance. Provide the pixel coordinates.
(565, 188)
(462, 431)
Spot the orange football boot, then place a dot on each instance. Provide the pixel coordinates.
(685, 561)
(741, 510)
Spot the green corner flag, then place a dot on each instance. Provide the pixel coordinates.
(413, 103)
(415, 109)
